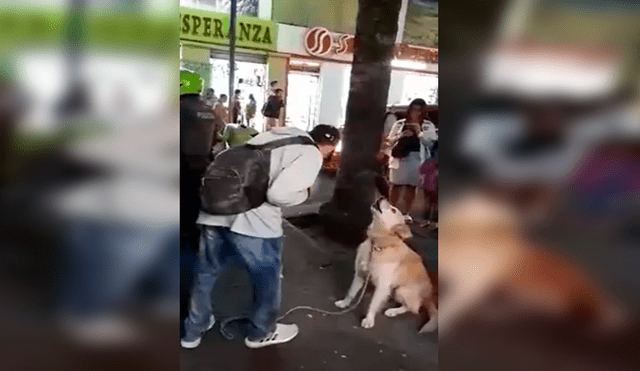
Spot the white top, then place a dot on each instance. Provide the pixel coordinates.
(427, 136)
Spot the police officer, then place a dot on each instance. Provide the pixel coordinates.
(197, 137)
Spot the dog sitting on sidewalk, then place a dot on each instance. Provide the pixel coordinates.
(488, 255)
(394, 269)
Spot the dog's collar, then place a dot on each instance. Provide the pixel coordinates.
(375, 247)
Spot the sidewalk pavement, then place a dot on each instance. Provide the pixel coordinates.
(317, 272)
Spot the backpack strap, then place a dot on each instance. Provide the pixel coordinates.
(283, 142)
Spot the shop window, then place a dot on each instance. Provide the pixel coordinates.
(250, 77)
(302, 100)
(423, 86)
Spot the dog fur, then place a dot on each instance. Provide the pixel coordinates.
(484, 252)
(395, 270)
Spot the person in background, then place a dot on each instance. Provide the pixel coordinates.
(273, 86)
(221, 110)
(221, 113)
(429, 173)
(256, 238)
(271, 110)
(411, 141)
(210, 98)
(236, 107)
(197, 128)
(390, 118)
(250, 110)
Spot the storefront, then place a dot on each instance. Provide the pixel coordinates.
(319, 72)
(204, 49)
(311, 65)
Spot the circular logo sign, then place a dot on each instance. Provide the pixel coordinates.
(318, 42)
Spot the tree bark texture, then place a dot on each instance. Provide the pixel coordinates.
(348, 213)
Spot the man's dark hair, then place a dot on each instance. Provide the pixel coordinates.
(325, 135)
(279, 91)
(223, 96)
(419, 102)
(237, 91)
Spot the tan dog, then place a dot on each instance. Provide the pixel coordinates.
(394, 269)
(483, 251)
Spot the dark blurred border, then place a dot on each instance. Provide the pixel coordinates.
(585, 220)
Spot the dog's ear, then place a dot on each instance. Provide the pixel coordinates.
(403, 231)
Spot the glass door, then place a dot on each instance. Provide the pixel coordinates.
(302, 100)
(250, 79)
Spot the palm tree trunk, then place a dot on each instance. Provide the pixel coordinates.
(348, 213)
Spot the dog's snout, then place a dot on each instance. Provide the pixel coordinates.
(376, 205)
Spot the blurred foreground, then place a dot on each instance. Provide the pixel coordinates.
(89, 215)
(539, 240)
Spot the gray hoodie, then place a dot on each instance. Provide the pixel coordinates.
(294, 169)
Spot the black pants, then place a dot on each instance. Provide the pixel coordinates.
(191, 171)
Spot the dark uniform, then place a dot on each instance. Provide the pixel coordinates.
(197, 128)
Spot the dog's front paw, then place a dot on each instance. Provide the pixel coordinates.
(391, 312)
(342, 303)
(368, 322)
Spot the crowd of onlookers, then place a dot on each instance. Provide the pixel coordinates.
(235, 118)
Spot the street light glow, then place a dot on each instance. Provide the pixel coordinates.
(399, 63)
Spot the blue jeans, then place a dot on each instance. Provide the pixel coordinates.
(106, 261)
(219, 249)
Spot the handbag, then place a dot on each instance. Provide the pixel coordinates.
(405, 145)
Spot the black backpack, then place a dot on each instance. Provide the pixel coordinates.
(238, 178)
(270, 108)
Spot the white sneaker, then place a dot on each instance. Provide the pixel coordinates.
(194, 343)
(408, 219)
(282, 334)
(103, 331)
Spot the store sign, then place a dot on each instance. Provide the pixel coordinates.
(213, 28)
(319, 42)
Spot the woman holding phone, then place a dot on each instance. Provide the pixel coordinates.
(411, 141)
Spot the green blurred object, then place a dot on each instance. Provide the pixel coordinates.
(237, 135)
(190, 82)
(31, 26)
